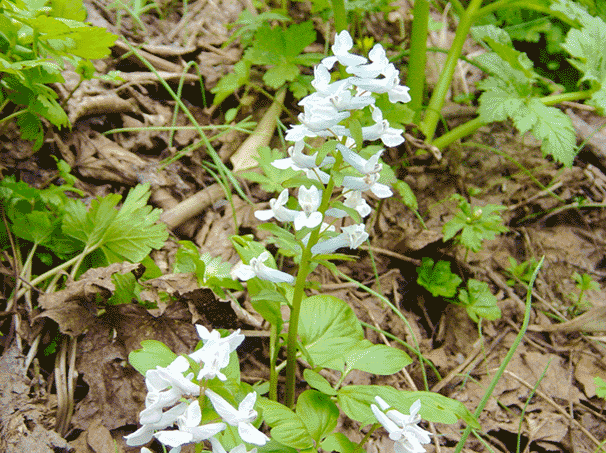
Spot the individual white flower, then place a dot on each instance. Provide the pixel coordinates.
(277, 209)
(144, 434)
(215, 352)
(390, 136)
(299, 161)
(343, 44)
(351, 236)
(242, 417)
(367, 182)
(189, 430)
(174, 374)
(364, 166)
(376, 68)
(218, 448)
(389, 84)
(319, 113)
(309, 200)
(317, 175)
(256, 268)
(354, 200)
(403, 429)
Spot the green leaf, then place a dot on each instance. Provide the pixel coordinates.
(36, 226)
(328, 328)
(231, 82)
(153, 353)
(376, 358)
(318, 413)
(479, 301)
(408, 197)
(475, 225)
(355, 401)
(126, 234)
(287, 427)
(600, 385)
(272, 178)
(318, 382)
(338, 442)
(438, 279)
(280, 48)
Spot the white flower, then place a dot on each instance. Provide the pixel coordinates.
(241, 417)
(299, 161)
(144, 434)
(215, 352)
(351, 236)
(403, 429)
(376, 68)
(277, 210)
(317, 175)
(364, 166)
(189, 430)
(256, 268)
(389, 84)
(218, 448)
(368, 182)
(343, 44)
(354, 200)
(390, 136)
(309, 200)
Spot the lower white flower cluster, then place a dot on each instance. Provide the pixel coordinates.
(173, 398)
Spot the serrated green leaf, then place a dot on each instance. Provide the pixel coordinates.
(231, 82)
(479, 301)
(438, 279)
(408, 197)
(278, 75)
(126, 234)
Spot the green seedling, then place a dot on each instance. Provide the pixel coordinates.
(473, 225)
(479, 301)
(438, 279)
(583, 282)
(520, 272)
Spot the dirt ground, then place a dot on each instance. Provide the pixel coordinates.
(546, 397)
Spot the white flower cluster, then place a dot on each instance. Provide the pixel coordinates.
(402, 429)
(172, 398)
(323, 111)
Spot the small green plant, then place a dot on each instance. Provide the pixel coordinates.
(479, 301)
(583, 282)
(135, 9)
(438, 279)
(38, 38)
(600, 387)
(477, 298)
(277, 48)
(520, 272)
(473, 225)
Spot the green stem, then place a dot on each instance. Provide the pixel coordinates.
(517, 5)
(507, 359)
(338, 8)
(372, 429)
(418, 57)
(471, 126)
(299, 292)
(273, 358)
(429, 123)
